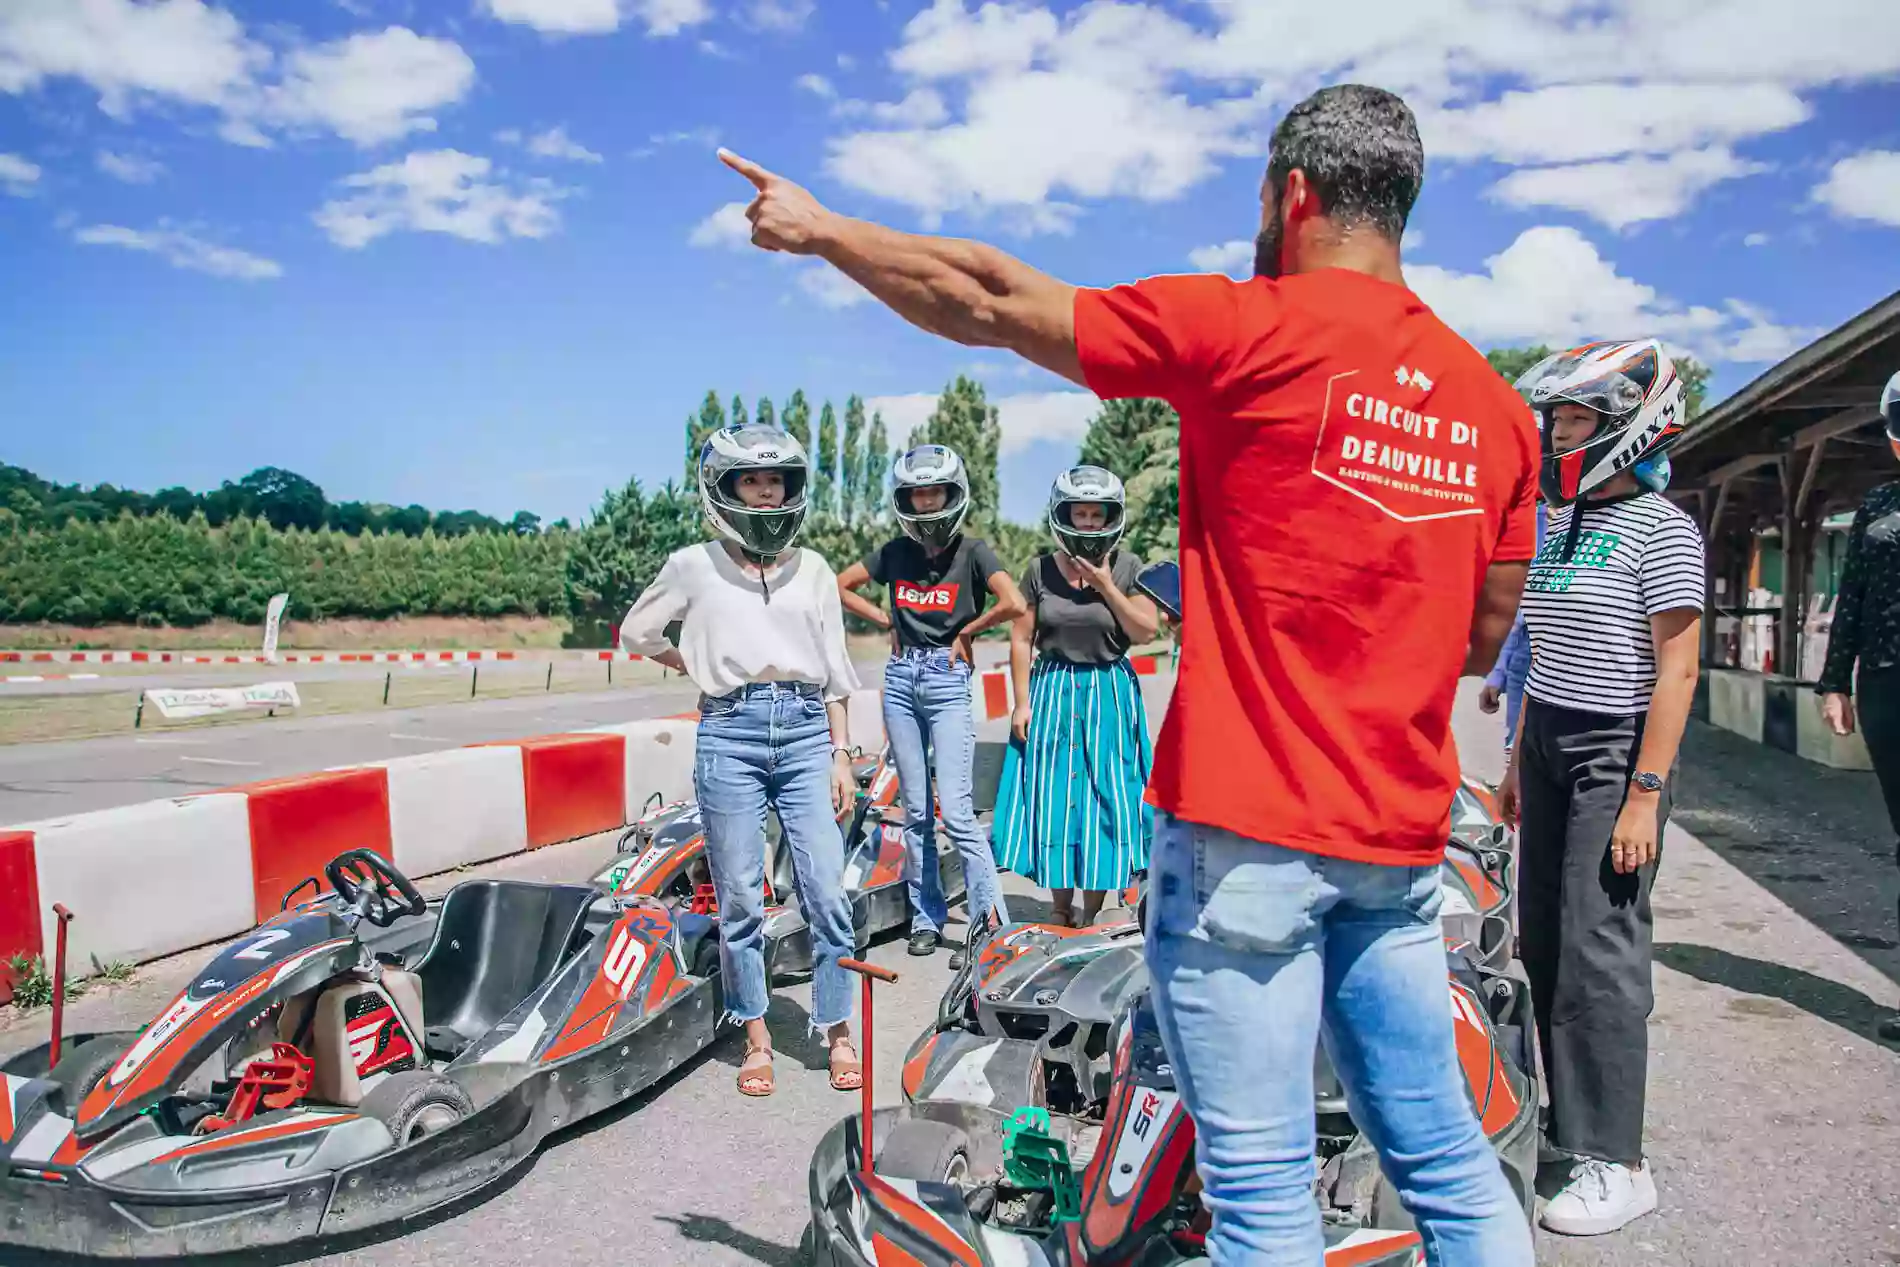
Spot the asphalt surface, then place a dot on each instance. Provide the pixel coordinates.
(1774, 1120)
(99, 679)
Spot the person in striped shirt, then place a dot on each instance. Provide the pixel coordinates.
(1613, 606)
(1069, 808)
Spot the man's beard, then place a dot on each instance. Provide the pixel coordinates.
(1266, 249)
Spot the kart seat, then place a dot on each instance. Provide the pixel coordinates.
(495, 941)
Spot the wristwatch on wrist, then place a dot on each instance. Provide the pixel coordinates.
(1647, 781)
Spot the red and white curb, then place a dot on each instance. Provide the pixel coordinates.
(316, 657)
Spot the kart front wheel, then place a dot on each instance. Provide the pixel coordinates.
(416, 1104)
(80, 1069)
(918, 1148)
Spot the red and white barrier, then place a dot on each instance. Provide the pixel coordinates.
(145, 880)
(659, 760)
(454, 807)
(305, 657)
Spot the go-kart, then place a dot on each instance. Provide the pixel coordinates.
(1041, 1124)
(663, 855)
(306, 1084)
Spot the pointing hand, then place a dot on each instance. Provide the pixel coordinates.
(784, 215)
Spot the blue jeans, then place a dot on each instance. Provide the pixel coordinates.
(769, 743)
(1257, 950)
(933, 740)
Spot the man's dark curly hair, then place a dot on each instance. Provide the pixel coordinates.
(1360, 151)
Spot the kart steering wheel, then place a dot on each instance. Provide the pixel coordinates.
(373, 887)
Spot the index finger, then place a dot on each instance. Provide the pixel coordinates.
(746, 168)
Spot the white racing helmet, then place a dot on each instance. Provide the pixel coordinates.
(762, 530)
(1638, 397)
(1890, 408)
(1081, 484)
(928, 466)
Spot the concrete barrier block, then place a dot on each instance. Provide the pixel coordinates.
(575, 784)
(1816, 742)
(658, 759)
(299, 824)
(1737, 702)
(19, 897)
(145, 880)
(454, 807)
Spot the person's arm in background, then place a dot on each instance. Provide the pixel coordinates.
(1836, 685)
(1492, 618)
(1672, 575)
(1022, 649)
(1008, 606)
(1516, 646)
(1136, 613)
(643, 632)
(848, 582)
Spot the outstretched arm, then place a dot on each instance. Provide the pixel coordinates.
(961, 290)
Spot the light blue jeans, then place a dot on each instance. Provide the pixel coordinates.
(932, 735)
(769, 744)
(1256, 951)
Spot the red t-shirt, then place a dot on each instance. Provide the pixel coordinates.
(1349, 468)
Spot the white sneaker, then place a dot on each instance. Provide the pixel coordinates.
(1600, 1197)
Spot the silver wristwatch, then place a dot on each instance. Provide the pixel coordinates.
(1647, 781)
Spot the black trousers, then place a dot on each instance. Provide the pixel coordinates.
(1584, 928)
(1879, 718)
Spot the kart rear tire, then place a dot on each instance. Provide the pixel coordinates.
(918, 1148)
(80, 1069)
(416, 1104)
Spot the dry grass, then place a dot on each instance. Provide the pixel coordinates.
(40, 718)
(417, 633)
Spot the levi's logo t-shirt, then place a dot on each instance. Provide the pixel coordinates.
(933, 598)
(1350, 468)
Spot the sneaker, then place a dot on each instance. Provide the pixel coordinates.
(1600, 1197)
(925, 942)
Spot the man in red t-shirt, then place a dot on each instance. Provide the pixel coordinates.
(1357, 516)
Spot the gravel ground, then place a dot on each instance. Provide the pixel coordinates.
(1774, 1118)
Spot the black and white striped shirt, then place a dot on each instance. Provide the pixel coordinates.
(1588, 618)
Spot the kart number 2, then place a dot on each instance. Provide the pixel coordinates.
(260, 949)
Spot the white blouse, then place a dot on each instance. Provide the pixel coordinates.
(738, 628)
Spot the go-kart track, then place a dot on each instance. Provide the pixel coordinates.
(1774, 1121)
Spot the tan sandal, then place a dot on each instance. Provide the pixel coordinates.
(846, 1075)
(753, 1076)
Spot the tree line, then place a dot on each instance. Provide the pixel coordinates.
(159, 562)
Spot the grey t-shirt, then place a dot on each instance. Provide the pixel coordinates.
(1075, 623)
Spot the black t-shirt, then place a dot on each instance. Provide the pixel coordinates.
(1075, 623)
(933, 599)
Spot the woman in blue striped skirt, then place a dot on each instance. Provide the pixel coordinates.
(1069, 809)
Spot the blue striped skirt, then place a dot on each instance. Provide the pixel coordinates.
(1069, 813)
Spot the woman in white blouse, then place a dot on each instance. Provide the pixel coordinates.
(762, 636)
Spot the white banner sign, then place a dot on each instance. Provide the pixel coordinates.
(223, 699)
(273, 616)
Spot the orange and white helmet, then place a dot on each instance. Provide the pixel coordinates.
(1639, 403)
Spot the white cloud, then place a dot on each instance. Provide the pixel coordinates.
(129, 168)
(1865, 186)
(726, 228)
(1552, 286)
(1626, 191)
(1121, 98)
(1755, 239)
(18, 176)
(182, 50)
(829, 287)
(847, 62)
(817, 85)
(1234, 258)
(599, 17)
(779, 15)
(440, 191)
(1570, 123)
(369, 87)
(182, 250)
(919, 108)
(1026, 418)
(553, 143)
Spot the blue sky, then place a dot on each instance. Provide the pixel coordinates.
(478, 253)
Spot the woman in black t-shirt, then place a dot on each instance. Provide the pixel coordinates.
(1069, 809)
(940, 579)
